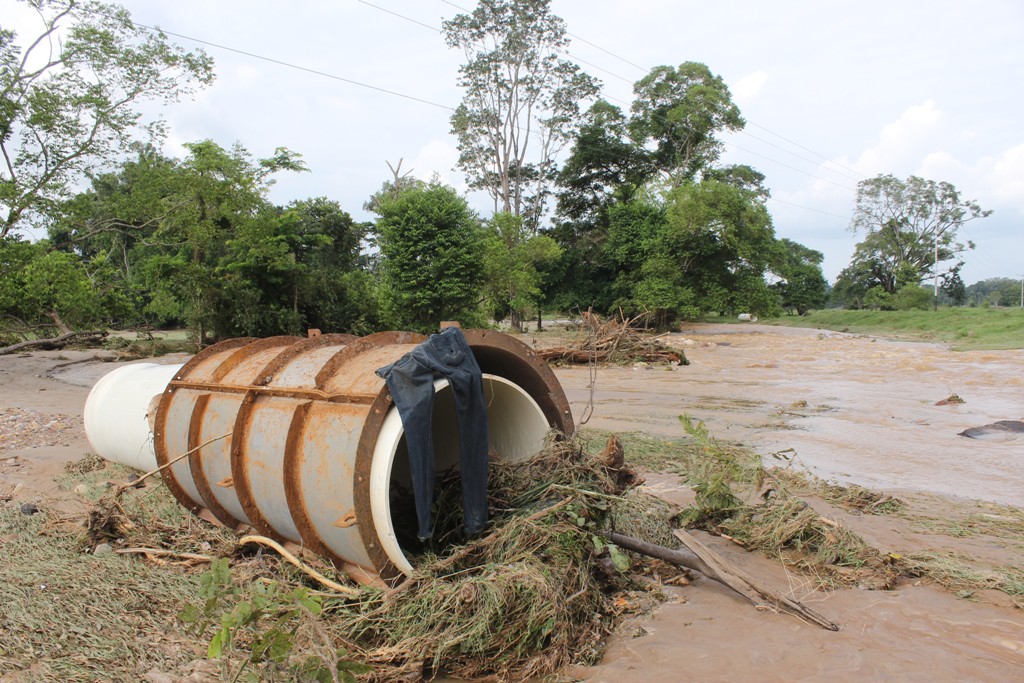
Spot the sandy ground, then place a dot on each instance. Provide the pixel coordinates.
(852, 408)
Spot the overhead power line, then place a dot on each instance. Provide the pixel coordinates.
(325, 74)
(299, 67)
(807, 149)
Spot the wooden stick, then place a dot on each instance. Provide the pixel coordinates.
(160, 552)
(700, 558)
(123, 487)
(309, 571)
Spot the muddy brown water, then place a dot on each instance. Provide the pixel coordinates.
(853, 408)
(857, 409)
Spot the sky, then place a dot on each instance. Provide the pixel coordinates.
(832, 92)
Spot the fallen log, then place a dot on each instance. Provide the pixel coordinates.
(702, 559)
(54, 342)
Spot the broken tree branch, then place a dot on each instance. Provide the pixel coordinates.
(53, 342)
(702, 559)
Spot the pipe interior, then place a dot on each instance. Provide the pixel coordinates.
(516, 428)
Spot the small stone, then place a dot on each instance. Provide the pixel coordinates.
(29, 508)
(12, 461)
(82, 489)
(102, 549)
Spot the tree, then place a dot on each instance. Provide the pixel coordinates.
(183, 232)
(911, 224)
(995, 290)
(521, 102)
(604, 164)
(873, 268)
(953, 287)
(297, 268)
(802, 285)
(513, 262)
(69, 98)
(723, 243)
(678, 112)
(706, 248)
(669, 141)
(432, 252)
(45, 292)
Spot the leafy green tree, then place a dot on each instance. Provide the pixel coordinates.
(521, 102)
(705, 249)
(953, 288)
(878, 298)
(297, 268)
(69, 97)
(603, 166)
(175, 227)
(45, 292)
(669, 142)
(723, 243)
(679, 111)
(513, 262)
(431, 257)
(997, 290)
(802, 286)
(874, 264)
(910, 224)
(912, 298)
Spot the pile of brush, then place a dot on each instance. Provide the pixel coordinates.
(535, 594)
(618, 340)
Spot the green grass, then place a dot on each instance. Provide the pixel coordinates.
(965, 329)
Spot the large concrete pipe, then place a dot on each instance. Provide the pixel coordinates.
(299, 439)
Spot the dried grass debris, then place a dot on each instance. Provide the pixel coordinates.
(617, 341)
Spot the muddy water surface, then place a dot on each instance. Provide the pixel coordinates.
(854, 408)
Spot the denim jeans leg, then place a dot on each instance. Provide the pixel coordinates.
(410, 380)
(412, 388)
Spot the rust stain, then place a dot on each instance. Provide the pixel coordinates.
(309, 394)
(348, 519)
(226, 482)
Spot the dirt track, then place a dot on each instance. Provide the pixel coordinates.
(853, 408)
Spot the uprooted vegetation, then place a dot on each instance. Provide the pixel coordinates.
(773, 510)
(616, 341)
(543, 589)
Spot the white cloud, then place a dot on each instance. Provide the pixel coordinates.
(247, 74)
(901, 143)
(1005, 175)
(437, 157)
(747, 88)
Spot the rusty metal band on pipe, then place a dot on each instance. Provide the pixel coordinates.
(304, 417)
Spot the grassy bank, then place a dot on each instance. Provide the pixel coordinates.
(964, 329)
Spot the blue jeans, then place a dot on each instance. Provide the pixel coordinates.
(410, 380)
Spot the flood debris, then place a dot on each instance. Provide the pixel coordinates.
(617, 341)
(952, 399)
(535, 594)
